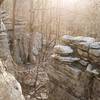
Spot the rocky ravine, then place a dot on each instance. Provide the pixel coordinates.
(74, 69)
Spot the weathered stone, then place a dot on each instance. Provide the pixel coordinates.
(84, 39)
(95, 45)
(95, 49)
(75, 80)
(83, 62)
(83, 46)
(95, 52)
(65, 59)
(95, 59)
(89, 68)
(63, 50)
(70, 80)
(10, 89)
(5, 50)
(94, 71)
(82, 53)
(67, 39)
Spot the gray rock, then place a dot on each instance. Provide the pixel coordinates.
(67, 39)
(95, 49)
(84, 39)
(83, 62)
(94, 71)
(95, 52)
(65, 59)
(10, 88)
(64, 50)
(83, 46)
(89, 68)
(95, 45)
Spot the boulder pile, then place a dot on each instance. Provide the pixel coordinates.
(74, 69)
(80, 49)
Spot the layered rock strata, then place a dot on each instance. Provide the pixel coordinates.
(74, 69)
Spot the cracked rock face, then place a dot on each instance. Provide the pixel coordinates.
(79, 79)
(10, 88)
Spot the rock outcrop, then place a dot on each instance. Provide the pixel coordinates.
(10, 89)
(75, 75)
(5, 54)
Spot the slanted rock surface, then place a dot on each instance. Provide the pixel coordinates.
(10, 88)
(75, 76)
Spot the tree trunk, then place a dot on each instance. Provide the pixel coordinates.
(1, 1)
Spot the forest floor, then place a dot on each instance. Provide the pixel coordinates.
(34, 81)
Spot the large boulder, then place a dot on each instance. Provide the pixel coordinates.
(10, 88)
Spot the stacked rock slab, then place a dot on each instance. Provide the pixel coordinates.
(75, 76)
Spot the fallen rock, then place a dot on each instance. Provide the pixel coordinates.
(63, 50)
